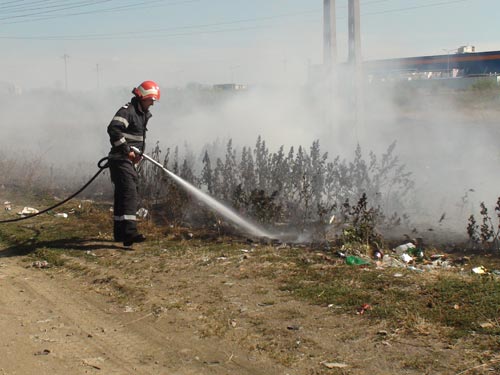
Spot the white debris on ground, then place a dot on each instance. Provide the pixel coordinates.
(40, 264)
(142, 213)
(28, 211)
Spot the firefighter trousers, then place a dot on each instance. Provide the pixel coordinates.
(125, 180)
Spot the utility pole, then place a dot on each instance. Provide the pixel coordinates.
(354, 33)
(329, 34)
(448, 72)
(329, 71)
(355, 64)
(65, 57)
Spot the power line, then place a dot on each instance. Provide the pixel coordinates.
(154, 33)
(25, 6)
(141, 4)
(59, 8)
(153, 36)
(414, 7)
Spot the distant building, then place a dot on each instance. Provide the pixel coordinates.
(466, 49)
(230, 87)
(465, 63)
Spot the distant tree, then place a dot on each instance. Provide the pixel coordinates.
(279, 170)
(175, 168)
(230, 171)
(207, 174)
(247, 171)
(186, 172)
(218, 181)
(317, 172)
(261, 163)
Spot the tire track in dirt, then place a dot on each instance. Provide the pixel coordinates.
(82, 333)
(65, 322)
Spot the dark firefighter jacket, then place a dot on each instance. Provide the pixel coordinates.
(128, 128)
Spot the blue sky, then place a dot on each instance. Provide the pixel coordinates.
(114, 42)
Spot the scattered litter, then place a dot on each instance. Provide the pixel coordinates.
(8, 205)
(486, 325)
(398, 275)
(142, 213)
(391, 262)
(406, 258)
(43, 352)
(28, 211)
(40, 264)
(416, 252)
(364, 307)
(293, 328)
(404, 248)
(334, 365)
(479, 270)
(332, 306)
(496, 272)
(437, 256)
(44, 321)
(413, 268)
(356, 261)
(94, 362)
(62, 214)
(88, 252)
(440, 263)
(129, 309)
(382, 332)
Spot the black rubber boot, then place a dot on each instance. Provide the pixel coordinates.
(135, 239)
(118, 231)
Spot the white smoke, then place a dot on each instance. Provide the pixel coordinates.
(450, 146)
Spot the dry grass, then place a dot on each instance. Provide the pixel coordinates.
(446, 308)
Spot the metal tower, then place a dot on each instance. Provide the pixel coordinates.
(329, 34)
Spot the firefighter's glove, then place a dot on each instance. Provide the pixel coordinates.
(134, 158)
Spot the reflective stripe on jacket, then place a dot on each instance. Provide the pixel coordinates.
(128, 128)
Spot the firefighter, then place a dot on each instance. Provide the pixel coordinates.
(128, 128)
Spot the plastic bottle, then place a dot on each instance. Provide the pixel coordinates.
(404, 248)
(355, 261)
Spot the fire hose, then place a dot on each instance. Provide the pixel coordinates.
(102, 164)
(227, 212)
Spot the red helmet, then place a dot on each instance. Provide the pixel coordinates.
(146, 90)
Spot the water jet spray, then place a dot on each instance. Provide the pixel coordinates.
(225, 211)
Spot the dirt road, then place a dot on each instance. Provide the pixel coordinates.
(51, 324)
